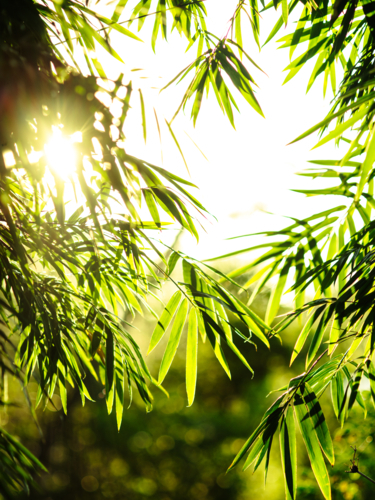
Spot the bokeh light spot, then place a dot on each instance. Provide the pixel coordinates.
(89, 483)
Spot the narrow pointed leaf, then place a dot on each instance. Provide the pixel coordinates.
(288, 451)
(319, 422)
(174, 340)
(191, 356)
(312, 446)
(164, 320)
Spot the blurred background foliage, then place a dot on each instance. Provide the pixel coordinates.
(176, 452)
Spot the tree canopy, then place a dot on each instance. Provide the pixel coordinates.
(79, 258)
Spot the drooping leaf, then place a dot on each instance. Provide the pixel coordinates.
(164, 320)
(191, 356)
(288, 450)
(174, 340)
(312, 447)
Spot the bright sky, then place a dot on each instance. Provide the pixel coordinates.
(249, 168)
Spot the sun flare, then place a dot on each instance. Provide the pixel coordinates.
(61, 153)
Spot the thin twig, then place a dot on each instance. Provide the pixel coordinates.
(354, 467)
(364, 475)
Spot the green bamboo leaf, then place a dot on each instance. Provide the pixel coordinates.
(296, 65)
(86, 28)
(371, 376)
(109, 369)
(265, 452)
(214, 339)
(121, 4)
(284, 5)
(333, 247)
(95, 342)
(172, 261)
(253, 320)
(24, 450)
(274, 301)
(199, 97)
(166, 201)
(185, 71)
(124, 31)
(240, 356)
(174, 340)
(333, 337)
(143, 112)
(83, 357)
(63, 395)
(296, 37)
(189, 274)
(356, 104)
(340, 129)
(305, 332)
(223, 320)
(164, 320)
(191, 356)
(222, 94)
(151, 205)
(342, 398)
(255, 451)
(241, 84)
(267, 463)
(110, 22)
(262, 444)
(64, 26)
(273, 413)
(238, 31)
(332, 74)
(119, 388)
(319, 422)
(288, 450)
(279, 23)
(325, 321)
(312, 446)
(355, 386)
(367, 165)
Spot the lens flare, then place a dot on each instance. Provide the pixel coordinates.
(61, 154)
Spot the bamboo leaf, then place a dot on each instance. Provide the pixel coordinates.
(164, 320)
(274, 302)
(272, 415)
(340, 129)
(312, 446)
(172, 261)
(191, 356)
(305, 332)
(371, 376)
(288, 450)
(319, 422)
(143, 112)
(174, 340)
(319, 333)
(109, 369)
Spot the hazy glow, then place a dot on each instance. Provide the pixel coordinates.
(34, 156)
(9, 159)
(61, 154)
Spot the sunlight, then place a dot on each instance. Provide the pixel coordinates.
(9, 159)
(61, 153)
